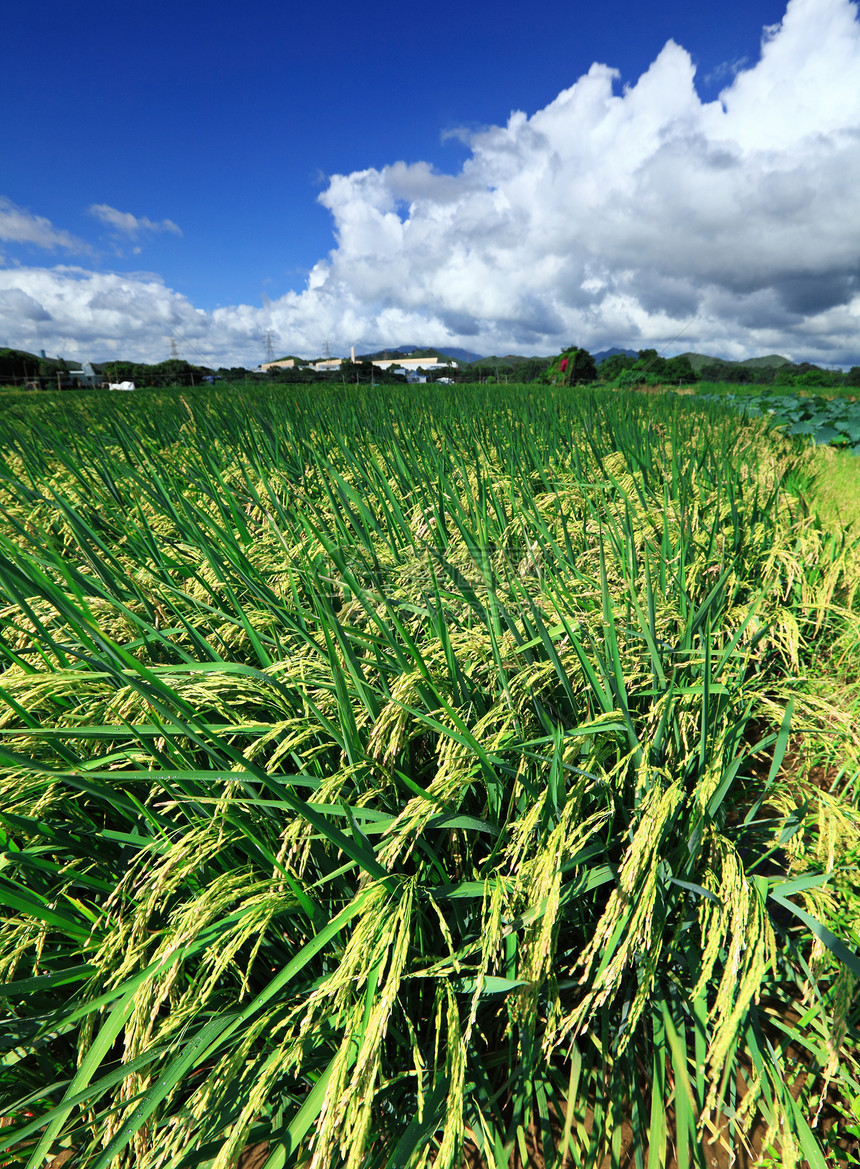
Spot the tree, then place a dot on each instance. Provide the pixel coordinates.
(613, 366)
(649, 357)
(678, 369)
(815, 377)
(727, 371)
(446, 371)
(573, 366)
(17, 364)
(532, 369)
(785, 374)
(649, 368)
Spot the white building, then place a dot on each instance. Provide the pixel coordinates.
(287, 363)
(407, 364)
(415, 363)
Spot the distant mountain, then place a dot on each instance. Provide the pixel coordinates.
(507, 359)
(604, 353)
(388, 354)
(699, 360)
(418, 351)
(463, 355)
(466, 356)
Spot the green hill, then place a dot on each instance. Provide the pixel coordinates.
(700, 360)
(292, 357)
(772, 359)
(18, 366)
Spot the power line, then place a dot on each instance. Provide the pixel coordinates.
(204, 360)
(677, 335)
(672, 342)
(185, 341)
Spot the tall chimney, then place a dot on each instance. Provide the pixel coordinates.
(352, 354)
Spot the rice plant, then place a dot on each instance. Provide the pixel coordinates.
(390, 781)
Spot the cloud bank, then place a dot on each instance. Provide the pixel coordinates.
(612, 216)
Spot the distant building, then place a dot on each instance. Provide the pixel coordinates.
(415, 363)
(330, 364)
(85, 376)
(287, 363)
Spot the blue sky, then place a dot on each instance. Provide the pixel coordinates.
(174, 166)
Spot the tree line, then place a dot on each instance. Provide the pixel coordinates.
(646, 368)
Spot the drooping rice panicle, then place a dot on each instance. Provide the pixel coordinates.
(382, 773)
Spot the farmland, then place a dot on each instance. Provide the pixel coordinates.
(391, 779)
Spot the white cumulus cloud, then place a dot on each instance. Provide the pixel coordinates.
(20, 226)
(615, 215)
(611, 215)
(128, 224)
(82, 314)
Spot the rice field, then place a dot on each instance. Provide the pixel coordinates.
(397, 779)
